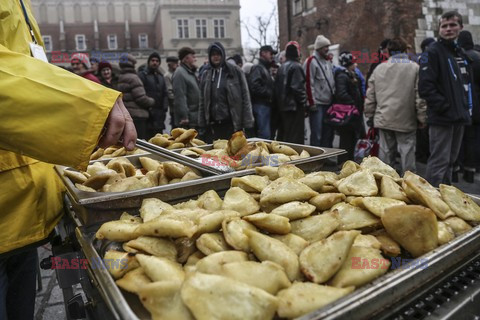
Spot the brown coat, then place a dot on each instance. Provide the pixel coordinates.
(134, 97)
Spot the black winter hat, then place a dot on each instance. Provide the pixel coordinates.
(183, 52)
(425, 43)
(465, 40)
(154, 55)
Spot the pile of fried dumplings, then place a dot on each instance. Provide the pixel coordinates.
(280, 243)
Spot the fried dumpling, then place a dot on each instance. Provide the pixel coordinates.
(388, 246)
(428, 195)
(367, 240)
(284, 190)
(290, 171)
(414, 227)
(217, 297)
(375, 165)
(268, 248)
(316, 227)
(134, 280)
(210, 200)
(252, 183)
(269, 222)
(281, 148)
(213, 222)
(445, 233)
(314, 180)
(378, 205)
(294, 242)
(120, 230)
(209, 243)
(294, 210)
(325, 201)
(233, 231)
(354, 271)
(351, 217)
(163, 301)
(75, 176)
(348, 168)
(322, 259)
(458, 225)
(155, 246)
(360, 183)
(152, 208)
(213, 263)
(239, 200)
(391, 189)
(236, 142)
(167, 227)
(149, 164)
(460, 203)
(270, 172)
(119, 263)
(304, 297)
(266, 275)
(161, 269)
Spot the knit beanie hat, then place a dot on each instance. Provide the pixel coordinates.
(103, 65)
(183, 52)
(345, 59)
(321, 42)
(83, 58)
(292, 50)
(154, 55)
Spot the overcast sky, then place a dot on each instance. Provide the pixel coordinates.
(250, 9)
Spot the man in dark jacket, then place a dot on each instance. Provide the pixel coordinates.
(224, 98)
(291, 96)
(186, 90)
(156, 88)
(445, 82)
(471, 140)
(261, 91)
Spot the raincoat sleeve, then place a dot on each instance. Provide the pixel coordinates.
(48, 113)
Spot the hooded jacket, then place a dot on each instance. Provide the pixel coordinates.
(260, 83)
(224, 89)
(441, 86)
(320, 84)
(290, 86)
(49, 115)
(466, 42)
(134, 96)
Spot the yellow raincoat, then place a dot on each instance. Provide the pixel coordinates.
(48, 114)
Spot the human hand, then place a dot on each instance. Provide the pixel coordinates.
(119, 127)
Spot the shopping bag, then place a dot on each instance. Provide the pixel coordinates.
(367, 147)
(341, 115)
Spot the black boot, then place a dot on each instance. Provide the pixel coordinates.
(468, 176)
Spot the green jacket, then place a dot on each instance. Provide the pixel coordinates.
(187, 95)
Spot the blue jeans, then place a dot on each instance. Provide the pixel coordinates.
(321, 135)
(262, 113)
(18, 274)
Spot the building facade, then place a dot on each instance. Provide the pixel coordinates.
(107, 29)
(360, 25)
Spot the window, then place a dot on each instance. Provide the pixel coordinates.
(143, 41)
(219, 28)
(182, 28)
(201, 25)
(80, 42)
(297, 6)
(308, 4)
(112, 41)
(47, 41)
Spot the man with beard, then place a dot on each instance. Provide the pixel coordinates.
(186, 91)
(225, 101)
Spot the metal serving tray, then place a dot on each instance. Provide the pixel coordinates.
(364, 303)
(307, 164)
(92, 207)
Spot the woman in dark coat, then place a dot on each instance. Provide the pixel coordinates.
(348, 92)
(106, 75)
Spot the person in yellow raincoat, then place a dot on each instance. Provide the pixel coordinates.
(47, 116)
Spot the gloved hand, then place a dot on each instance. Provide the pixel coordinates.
(370, 122)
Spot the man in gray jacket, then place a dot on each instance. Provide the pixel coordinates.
(320, 85)
(186, 91)
(225, 105)
(393, 102)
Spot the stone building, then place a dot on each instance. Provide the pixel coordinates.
(360, 25)
(108, 28)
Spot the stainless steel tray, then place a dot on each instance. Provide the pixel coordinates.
(316, 155)
(363, 303)
(103, 202)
